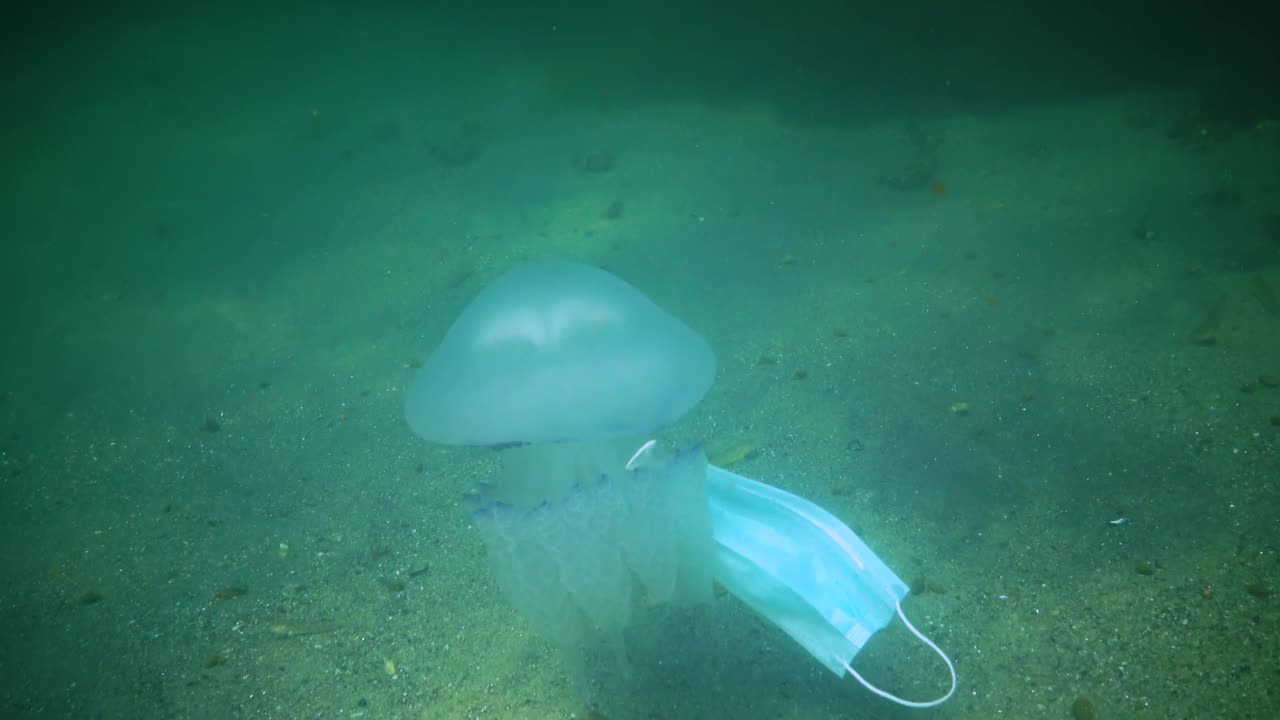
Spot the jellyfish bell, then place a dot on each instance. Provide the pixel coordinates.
(567, 370)
(558, 351)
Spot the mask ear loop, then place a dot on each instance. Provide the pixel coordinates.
(902, 701)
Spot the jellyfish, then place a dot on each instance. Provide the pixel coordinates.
(567, 371)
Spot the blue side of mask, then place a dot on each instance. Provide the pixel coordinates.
(800, 567)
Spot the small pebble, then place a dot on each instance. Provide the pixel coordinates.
(1082, 709)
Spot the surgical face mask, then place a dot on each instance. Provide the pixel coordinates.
(800, 567)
